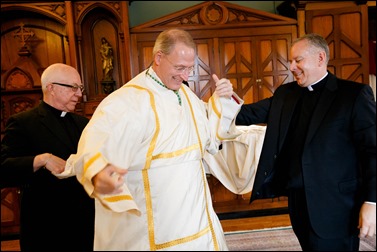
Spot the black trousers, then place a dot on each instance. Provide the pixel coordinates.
(309, 241)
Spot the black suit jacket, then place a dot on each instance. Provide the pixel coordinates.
(56, 214)
(339, 153)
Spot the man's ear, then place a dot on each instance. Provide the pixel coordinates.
(322, 58)
(157, 58)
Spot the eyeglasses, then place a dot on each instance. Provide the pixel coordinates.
(73, 87)
(180, 69)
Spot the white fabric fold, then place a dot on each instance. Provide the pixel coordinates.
(235, 165)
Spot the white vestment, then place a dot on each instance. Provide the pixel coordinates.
(165, 203)
(235, 165)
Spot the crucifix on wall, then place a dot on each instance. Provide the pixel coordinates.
(24, 34)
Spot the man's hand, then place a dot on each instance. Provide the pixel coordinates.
(367, 220)
(109, 180)
(224, 87)
(54, 164)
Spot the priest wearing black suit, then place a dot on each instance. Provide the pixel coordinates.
(319, 150)
(56, 214)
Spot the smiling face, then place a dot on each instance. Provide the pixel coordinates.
(308, 63)
(174, 68)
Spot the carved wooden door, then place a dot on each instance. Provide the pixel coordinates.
(346, 32)
(256, 65)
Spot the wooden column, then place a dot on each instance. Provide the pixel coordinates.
(125, 39)
(71, 34)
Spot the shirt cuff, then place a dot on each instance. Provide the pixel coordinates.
(372, 203)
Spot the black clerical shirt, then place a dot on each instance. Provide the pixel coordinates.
(67, 123)
(289, 166)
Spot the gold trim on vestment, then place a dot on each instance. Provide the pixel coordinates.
(146, 181)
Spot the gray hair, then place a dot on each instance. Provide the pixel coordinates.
(316, 41)
(167, 40)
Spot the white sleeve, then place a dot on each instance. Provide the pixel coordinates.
(222, 113)
(235, 165)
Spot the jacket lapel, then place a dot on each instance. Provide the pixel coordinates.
(287, 112)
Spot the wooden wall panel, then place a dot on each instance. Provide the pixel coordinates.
(46, 46)
(10, 210)
(256, 65)
(201, 80)
(345, 27)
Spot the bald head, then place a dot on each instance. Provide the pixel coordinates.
(61, 73)
(60, 84)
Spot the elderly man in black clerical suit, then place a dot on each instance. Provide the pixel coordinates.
(319, 150)
(56, 214)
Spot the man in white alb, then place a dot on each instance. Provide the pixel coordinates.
(141, 156)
